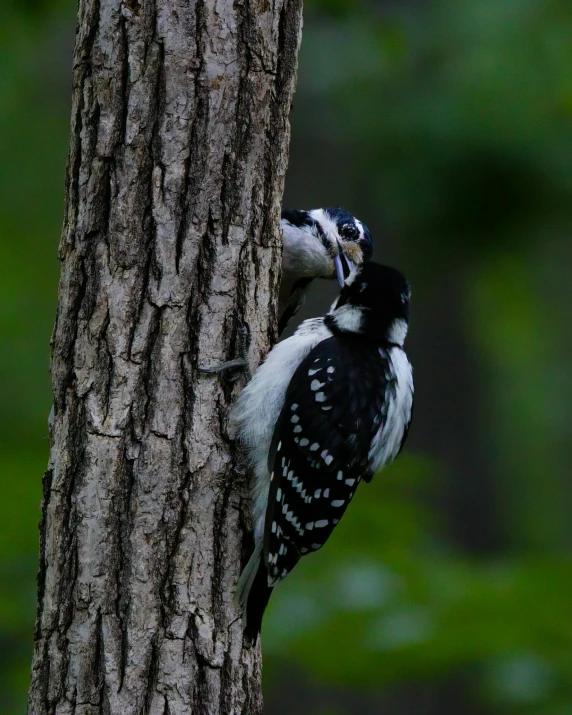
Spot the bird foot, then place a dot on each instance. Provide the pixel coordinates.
(239, 364)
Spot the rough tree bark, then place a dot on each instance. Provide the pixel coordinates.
(178, 151)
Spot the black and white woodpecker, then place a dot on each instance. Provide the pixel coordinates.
(329, 407)
(322, 243)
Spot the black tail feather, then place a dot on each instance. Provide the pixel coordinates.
(256, 604)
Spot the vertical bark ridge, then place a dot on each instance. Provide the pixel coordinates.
(179, 141)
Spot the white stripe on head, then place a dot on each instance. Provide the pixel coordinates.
(328, 225)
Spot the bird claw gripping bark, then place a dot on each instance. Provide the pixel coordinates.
(239, 364)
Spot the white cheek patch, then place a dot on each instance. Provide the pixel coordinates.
(348, 318)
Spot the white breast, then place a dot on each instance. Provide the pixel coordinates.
(387, 441)
(256, 411)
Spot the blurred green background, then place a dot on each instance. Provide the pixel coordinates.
(447, 128)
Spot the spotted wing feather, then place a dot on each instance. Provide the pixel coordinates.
(334, 405)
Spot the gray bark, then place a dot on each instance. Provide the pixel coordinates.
(179, 144)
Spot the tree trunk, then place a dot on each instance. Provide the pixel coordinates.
(178, 151)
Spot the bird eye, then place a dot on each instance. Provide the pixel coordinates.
(349, 231)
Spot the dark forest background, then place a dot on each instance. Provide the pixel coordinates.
(447, 128)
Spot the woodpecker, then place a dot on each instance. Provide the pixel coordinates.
(329, 407)
(322, 243)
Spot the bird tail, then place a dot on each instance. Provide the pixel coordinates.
(252, 594)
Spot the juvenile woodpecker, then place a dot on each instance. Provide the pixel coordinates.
(322, 243)
(328, 408)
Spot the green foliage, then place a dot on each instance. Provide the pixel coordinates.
(406, 608)
(34, 117)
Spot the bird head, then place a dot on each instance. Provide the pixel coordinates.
(374, 302)
(338, 241)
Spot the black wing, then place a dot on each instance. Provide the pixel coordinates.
(334, 405)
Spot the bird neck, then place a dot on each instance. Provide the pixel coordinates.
(360, 321)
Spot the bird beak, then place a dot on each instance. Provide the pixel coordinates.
(343, 268)
(339, 270)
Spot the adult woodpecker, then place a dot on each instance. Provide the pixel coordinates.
(322, 243)
(329, 407)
